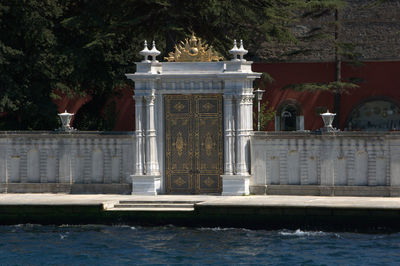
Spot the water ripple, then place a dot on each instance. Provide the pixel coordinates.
(125, 245)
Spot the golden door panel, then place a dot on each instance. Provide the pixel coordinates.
(194, 149)
(209, 183)
(209, 145)
(208, 105)
(181, 183)
(178, 144)
(179, 105)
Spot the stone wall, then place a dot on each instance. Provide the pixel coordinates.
(77, 162)
(372, 26)
(343, 163)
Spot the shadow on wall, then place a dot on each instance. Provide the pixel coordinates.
(107, 113)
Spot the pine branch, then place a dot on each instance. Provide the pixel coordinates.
(332, 87)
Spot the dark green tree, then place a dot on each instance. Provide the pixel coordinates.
(27, 64)
(82, 48)
(344, 52)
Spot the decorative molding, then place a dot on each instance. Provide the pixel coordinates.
(193, 50)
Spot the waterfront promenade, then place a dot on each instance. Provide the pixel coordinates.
(373, 203)
(263, 212)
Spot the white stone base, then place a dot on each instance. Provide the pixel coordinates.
(145, 184)
(316, 190)
(235, 185)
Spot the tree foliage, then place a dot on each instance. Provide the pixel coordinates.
(267, 113)
(333, 87)
(27, 59)
(81, 47)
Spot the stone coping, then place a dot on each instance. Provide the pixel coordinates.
(314, 134)
(66, 134)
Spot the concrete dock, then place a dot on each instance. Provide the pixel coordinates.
(259, 212)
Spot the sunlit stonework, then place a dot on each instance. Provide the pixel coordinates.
(193, 50)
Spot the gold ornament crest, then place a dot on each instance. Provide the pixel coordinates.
(193, 50)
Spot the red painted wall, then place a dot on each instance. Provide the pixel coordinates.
(125, 108)
(71, 105)
(380, 80)
(126, 111)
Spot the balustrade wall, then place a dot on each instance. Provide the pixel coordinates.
(81, 162)
(340, 163)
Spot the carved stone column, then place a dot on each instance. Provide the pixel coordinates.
(244, 107)
(146, 181)
(229, 126)
(238, 183)
(139, 135)
(152, 167)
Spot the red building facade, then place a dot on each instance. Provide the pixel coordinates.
(379, 90)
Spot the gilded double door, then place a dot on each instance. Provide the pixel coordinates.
(194, 143)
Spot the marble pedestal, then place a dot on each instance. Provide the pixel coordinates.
(235, 185)
(145, 184)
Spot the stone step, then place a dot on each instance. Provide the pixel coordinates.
(154, 205)
(152, 209)
(149, 206)
(157, 201)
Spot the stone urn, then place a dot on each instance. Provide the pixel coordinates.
(66, 120)
(328, 119)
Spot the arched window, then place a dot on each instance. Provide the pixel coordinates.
(289, 116)
(374, 115)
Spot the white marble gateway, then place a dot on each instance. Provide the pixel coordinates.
(233, 79)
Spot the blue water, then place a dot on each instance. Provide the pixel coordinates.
(127, 245)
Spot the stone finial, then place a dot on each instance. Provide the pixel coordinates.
(242, 51)
(238, 52)
(146, 53)
(154, 52)
(234, 51)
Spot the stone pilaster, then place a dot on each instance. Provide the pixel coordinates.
(139, 135)
(152, 167)
(229, 126)
(244, 108)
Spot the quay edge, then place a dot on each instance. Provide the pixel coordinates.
(240, 212)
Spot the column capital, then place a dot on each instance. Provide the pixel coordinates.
(245, 99)
(150, 99)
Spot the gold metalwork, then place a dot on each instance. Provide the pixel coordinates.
(179, 106)
(208, 144)
(209, 182)
(179, 181)
(179, 144)
(208, 106)
(194, 144)
(185, 166)
(193, 50)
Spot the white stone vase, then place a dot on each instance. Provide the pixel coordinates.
(66, 120)
(328, 120)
